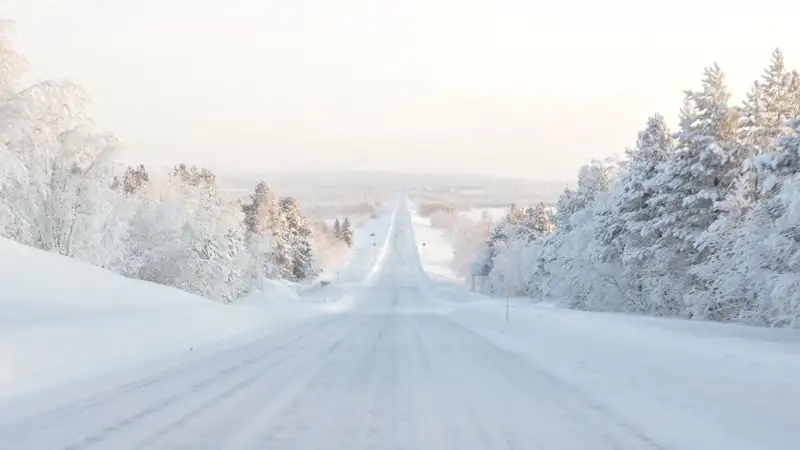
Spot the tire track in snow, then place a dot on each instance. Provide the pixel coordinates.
(586, 418)
(185, 379)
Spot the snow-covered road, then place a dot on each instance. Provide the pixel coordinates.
(395, 371)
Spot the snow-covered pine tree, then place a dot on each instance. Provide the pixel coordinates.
(499, 237)
(346, 233)
(259, 222)
(639, 183)
(132, 180)
(702, 170)
(337, 229)
(636, 210)
(258, 211)
(535, 224)
(794, 93)
(766, 114)
(297, 259)
(779, 109)
(785, 161)
(694, 185)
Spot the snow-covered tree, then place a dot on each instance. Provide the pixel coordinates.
(778, 107)
(185, 235)
(346, 232)
(296, 258)
(626, 230)
(784, 161)
(767, 113)
(337, 229)
(261, 219)
(702, 170)
(57, 167)
(132, 180)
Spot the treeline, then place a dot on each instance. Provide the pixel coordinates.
(701, 222)
(60, 191)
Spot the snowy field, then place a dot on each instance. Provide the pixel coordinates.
(412, 360)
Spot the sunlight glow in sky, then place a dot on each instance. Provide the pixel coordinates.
(505, 87)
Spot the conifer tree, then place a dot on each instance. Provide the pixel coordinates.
(347, 232)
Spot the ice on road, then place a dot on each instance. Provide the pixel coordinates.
(393, 372)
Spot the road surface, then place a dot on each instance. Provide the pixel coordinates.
(391, 373)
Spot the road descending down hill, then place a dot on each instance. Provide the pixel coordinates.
(392, 372)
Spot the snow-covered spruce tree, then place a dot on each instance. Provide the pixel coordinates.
(498, 237)
(337, 229)
(694, 183)
(260, 220)
(794, 92)
(346, 232)
(296, 260)
(766, 113)
(778, 107)
(784, 161)
(635, 212)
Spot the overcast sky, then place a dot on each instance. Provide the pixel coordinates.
(522, 88)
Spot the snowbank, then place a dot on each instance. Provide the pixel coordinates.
(62, 319)
(712, 383)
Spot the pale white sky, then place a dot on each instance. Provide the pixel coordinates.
(504, 87)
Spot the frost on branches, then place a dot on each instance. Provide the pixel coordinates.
(60, 191)
(55, 192)
(699, 223)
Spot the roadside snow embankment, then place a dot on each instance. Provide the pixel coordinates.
(62, 319)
